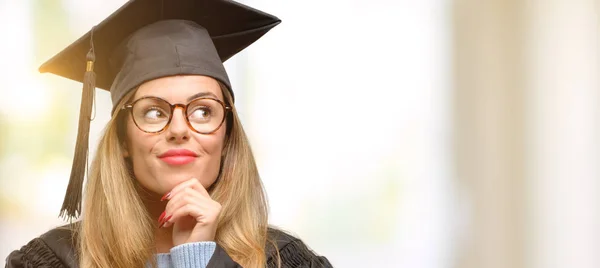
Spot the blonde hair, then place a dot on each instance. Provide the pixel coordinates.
(117, 230)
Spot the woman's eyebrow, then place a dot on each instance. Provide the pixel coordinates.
(202, 94)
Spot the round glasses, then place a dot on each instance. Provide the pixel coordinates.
(153, 114)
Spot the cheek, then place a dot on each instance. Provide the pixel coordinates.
(133, 142)
(212, 145)
(139, 144)
(212, 148)
(139, 149)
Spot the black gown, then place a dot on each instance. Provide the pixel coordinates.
(54, 249)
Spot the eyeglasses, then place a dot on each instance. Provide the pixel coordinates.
(153, 114)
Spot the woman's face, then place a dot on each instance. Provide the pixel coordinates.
(154, 165)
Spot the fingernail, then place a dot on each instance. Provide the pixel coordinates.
(162, 215)
(166, 196)
(165, 221)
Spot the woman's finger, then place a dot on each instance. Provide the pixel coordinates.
(178, 188)
(191, 183)
(185, 196)
(204, 214)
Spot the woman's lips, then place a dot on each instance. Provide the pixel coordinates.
(178, 160)
(178, 157)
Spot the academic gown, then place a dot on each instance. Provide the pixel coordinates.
(54, 249)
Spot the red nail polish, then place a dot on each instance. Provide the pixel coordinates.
(166, 196)
(162, 215)
(165, 221)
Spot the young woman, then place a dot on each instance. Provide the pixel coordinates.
(173, 182)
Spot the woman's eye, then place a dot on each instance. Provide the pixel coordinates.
(154, 113)
(200, 113)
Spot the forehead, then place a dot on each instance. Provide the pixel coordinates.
(179, 88)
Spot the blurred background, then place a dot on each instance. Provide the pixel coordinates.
(388, 133)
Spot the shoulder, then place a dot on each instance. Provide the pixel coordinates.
(292, 251)
(54, 248)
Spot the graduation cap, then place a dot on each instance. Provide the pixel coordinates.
(145, 40)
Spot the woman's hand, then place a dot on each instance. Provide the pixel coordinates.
(191, 212)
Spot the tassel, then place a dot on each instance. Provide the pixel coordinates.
(71, 208)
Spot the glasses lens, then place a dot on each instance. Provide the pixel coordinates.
(151, 115)
(205, 115)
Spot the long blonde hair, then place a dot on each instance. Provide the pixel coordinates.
(117, 230)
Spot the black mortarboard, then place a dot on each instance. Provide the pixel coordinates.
(148, 39)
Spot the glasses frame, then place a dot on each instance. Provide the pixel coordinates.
(226, 109)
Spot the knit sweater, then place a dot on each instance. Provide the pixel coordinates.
(189, 255)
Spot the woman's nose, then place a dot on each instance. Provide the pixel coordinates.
(178, 129)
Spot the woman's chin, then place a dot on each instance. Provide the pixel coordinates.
(164, 183)
(173, 180)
